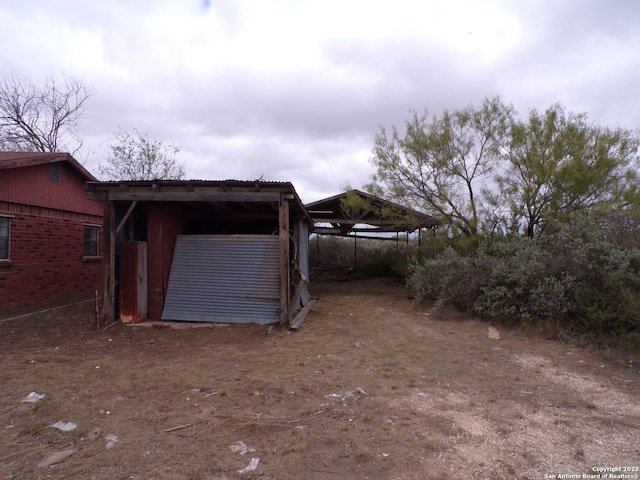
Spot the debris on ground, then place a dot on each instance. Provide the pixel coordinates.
(57, 457)
(33, 397)
(253, 464)
(65, 426)
(241, 448)
(92, 434)
(111, 440)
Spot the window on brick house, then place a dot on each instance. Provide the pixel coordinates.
(90, 241)
(5, 224)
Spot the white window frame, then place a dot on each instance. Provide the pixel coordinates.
(95, 228)
(7, 238)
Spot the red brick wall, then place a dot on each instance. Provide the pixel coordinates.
(46, 267)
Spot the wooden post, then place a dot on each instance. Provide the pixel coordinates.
(96, 305)
(406, 247)
(283, 234)
(108, 261)
(355, 249)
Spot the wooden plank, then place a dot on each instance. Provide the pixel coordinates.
(300, 317)
(283, 236)
(179, 427)
(297, 291)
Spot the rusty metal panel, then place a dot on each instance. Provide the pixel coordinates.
(164, 225)
(133, 281)
(224, 279)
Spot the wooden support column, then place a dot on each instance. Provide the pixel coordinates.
(283, 235)
(406, 246)
(107, 314)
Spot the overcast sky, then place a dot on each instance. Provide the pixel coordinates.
(295, 90)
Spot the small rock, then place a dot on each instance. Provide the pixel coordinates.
(493, 333)
(338, 358)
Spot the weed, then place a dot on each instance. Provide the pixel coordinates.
(292, 448)
(35, 430)
(43, 372)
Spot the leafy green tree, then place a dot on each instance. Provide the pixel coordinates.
(139, 157)
(441, 164)
(559, 164)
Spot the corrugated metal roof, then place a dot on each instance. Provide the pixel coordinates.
(381, 215)
(237, 191)
(224, 279)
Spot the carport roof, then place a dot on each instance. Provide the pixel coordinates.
(199, 192)
(344, 212)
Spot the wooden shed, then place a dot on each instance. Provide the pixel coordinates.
(203, 251)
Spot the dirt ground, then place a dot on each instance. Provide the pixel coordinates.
(370, 387)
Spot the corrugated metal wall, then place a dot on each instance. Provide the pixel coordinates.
(224, 279)
(303, 259)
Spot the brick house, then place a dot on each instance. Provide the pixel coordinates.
(50, 233)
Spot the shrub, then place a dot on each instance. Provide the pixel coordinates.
(573, 278)
(526, 282)
(451, 279)
(609, 304)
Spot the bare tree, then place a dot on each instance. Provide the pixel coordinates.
(139, 157)
(43, 118)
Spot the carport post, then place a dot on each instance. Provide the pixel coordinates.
(283, 235)
(108, 261)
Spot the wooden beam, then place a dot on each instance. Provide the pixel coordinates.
(360, 237)
(283, 235)
(149, 195)
(367, 221)
(126, 216)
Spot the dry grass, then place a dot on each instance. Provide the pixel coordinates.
(370, 387)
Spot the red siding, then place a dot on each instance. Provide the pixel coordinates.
(164, 225)
(46, 267)
(132, 281)
(33, 186)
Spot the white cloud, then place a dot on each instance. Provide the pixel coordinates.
(295, 89)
